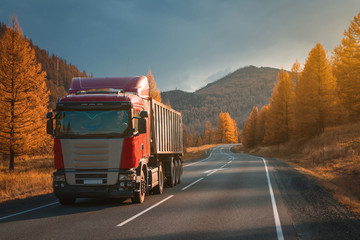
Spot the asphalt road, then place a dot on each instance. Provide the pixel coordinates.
(223, 196)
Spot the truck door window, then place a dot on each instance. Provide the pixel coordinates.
(136, 121)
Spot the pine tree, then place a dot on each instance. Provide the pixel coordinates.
(220, 128)
(199, 141)
(209, 133)
(314, 95)
(154, 91)
(277, 123)
(347, 67)
(228, 129)
(248, 138)
(295, 72)
(23, 96)
(260, 125)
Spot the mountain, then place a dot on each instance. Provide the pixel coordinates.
(236, 93)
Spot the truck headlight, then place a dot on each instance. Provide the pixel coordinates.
(59, 178)
(123, 177)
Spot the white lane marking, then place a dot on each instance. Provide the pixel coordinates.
(191, 184)
(141, 213)
(279, 232)
(26, 211)
(220, 168)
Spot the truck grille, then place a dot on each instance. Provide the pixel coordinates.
(91, 178)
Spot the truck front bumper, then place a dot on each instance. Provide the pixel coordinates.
(62, 189)
(122, 189)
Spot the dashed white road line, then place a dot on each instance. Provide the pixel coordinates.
(30, 210)
(141, 213)
(191, 184)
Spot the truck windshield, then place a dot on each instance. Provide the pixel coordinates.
(92, 123)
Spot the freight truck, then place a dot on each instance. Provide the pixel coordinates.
(112, 140)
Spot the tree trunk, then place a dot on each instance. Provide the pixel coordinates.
(12, 156)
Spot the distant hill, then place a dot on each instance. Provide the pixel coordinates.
(235, 93)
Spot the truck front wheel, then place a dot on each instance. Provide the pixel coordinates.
(139, 195)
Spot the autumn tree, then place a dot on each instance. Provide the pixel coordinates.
(209, 133)
(220, 128)
(347, 67)
(295, 72)
(227, 131)
(199, 141)
(230, 133)
(248, 138)
(315, 95)
(23, 95)
(277, 123)
(154, 91)
(260, 125)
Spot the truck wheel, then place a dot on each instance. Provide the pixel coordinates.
(180, 171)
(159, 188)
(139, 195)
(170, 179)
(67, 200)
(176, 165)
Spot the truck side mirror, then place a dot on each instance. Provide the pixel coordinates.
(144, 114)
(49, 127)
(142, 125)
(49, 115)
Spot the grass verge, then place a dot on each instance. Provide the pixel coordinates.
(31, 177)
(196, 152)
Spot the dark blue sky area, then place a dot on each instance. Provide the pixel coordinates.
(185, 43)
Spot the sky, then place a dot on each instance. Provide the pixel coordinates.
(186, 43)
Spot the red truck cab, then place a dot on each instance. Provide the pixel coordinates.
(103, 141)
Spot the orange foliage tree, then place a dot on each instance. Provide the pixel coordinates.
(347, 67)
(227, 131)
(277, 123)
(260, 125)
(315, 95)
(209, 133)
(154, 91)
(23, 96)
(248, 136)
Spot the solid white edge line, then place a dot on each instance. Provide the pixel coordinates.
(191, 184)
(279, 232)
(141, 213)
(26, 211)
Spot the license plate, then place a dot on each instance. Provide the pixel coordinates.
(93, 181)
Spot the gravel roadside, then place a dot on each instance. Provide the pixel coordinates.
(315, 213)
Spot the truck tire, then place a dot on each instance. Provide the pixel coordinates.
(180, 171)
(139, 196)
(67, 200)
(159, 188)
(171, 174)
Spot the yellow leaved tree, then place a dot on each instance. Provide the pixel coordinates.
(23, 96)
(277, 125)
(314, 95)
(154, 91)
(248, 135)
(347, 67)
